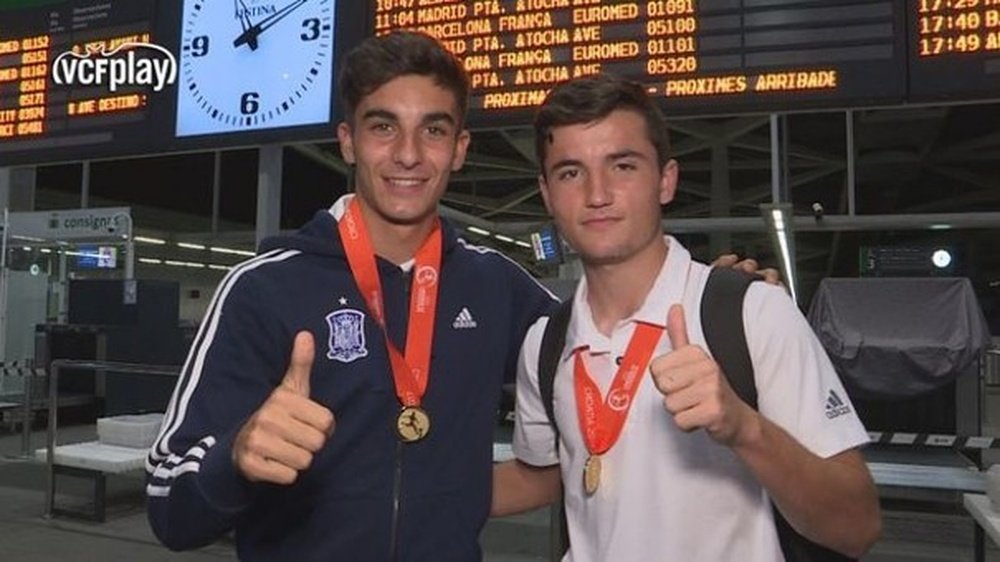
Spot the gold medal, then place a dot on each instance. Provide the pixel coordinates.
(592, 474)
(412, 424)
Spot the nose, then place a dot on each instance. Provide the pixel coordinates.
(596, 190)
(408, 151)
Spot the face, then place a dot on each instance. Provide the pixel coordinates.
(604, 187)
(405, 141)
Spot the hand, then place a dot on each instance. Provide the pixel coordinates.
(771, 276)
(244, 23)
(695, 391)
(282, 436)
(250, 35)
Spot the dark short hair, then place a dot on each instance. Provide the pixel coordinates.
(591, 98)
(381, 59)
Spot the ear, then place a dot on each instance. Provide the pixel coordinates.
(543, 186)
(668, 181)
(344, 135)
(461, 148)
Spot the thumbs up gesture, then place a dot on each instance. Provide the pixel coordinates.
(695, 391)
(281, 437)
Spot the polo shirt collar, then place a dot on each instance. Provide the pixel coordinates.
(668, 289)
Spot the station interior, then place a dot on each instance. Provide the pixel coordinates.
(882, 216)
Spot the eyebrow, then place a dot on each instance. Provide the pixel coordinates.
(564, 163)
(626, 153)
(614, 156)
(435, 117)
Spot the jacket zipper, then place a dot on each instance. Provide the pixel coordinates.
(396, 485)
(398, 475)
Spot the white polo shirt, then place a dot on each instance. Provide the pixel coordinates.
(667, 495)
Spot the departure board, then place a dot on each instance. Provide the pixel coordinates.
(701, 56)
(90, 79)
(36, 111)
(954, 49)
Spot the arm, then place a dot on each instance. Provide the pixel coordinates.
(196, 490)
(831, 499)
(532, 479)
(519, 487)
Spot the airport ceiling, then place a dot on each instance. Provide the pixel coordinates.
(910, 160)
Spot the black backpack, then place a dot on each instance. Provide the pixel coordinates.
(722, 323)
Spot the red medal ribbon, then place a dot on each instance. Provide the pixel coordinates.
(409, 371)
(601, 421)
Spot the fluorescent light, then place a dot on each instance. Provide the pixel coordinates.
(45, 251)
(146, 240)
(522, 243)
(779, 219)
(191, 246)
(231, 251)
(477, 230)
(503, 238)
(190, 264)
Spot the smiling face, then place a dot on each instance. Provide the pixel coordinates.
(604, 187)
(405, 140)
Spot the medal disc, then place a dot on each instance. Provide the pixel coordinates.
(412, 424)
(592, 474)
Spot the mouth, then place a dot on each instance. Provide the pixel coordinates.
(404, 182)
(599, 222)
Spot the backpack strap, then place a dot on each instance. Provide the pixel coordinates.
(722, 325)
(553, 342)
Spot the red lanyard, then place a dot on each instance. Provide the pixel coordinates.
(601, 421)
(410, 372)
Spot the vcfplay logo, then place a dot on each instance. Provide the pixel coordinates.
(129, 64)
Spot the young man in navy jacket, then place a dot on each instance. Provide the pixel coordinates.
(326, 422)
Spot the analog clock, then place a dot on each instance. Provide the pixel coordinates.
(254, 64)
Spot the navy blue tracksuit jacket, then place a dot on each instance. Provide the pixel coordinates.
(366, 496)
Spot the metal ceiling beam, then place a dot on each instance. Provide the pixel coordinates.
(482, 160)
(967, 177)
(507, 204)
(470, 176)
(523, 141)
(323, 158)
(760, 192)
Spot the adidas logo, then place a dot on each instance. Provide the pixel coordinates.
(835, 406)
(464, 320)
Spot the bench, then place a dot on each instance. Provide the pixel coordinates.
(90, 460)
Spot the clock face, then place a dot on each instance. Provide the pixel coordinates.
(254, 64)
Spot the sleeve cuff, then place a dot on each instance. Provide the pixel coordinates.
(221, 482)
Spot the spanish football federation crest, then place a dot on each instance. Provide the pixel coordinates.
(347, 335)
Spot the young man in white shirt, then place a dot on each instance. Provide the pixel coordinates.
(672, 466)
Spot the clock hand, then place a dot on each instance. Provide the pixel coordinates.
(245, 23)
(253, 32)
(274, 18)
